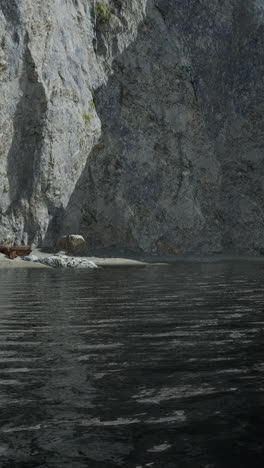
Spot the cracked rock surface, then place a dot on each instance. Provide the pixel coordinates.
(142, 129)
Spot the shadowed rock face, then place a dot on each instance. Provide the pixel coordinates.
(170, 156)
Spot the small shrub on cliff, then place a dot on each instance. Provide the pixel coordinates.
(92, 104)
(103, 13)
(86, 117)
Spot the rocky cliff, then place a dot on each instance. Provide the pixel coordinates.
(136, 123)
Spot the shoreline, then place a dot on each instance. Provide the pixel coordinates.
(6, 263)
(120, 259)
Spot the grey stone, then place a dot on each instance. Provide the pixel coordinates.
(142, 131)
(73, 243)
(30, 258)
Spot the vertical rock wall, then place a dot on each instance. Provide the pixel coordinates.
(142, 127)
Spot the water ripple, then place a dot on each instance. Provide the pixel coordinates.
(132, 367)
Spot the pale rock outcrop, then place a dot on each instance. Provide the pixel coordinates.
(64, 261)
(142, 130)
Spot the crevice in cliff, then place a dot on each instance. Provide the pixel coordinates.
(181, 165)
(24, 154)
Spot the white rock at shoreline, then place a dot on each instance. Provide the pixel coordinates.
(63, 261)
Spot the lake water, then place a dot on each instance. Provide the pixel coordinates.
(157, 367)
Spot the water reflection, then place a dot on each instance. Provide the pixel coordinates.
(161, 367)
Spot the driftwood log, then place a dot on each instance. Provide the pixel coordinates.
(15, 250)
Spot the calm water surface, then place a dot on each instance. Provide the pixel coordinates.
(157, 367)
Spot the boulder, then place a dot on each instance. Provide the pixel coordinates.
(73, 243)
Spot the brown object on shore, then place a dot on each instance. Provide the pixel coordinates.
(15, 250)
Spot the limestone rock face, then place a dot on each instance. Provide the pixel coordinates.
(142, 127)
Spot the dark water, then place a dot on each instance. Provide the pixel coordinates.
(152, 367)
